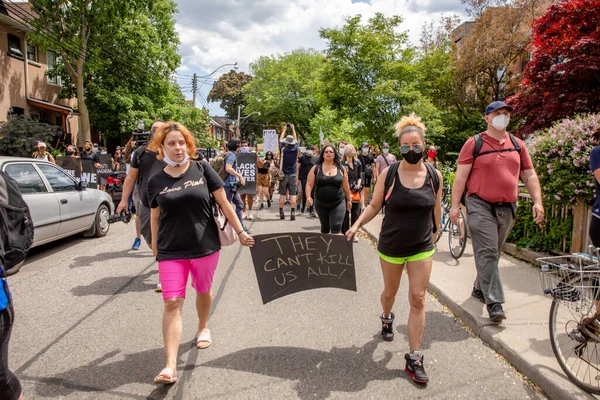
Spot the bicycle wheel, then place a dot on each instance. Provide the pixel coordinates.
(577, 351)
(441, 230)
(457, 237)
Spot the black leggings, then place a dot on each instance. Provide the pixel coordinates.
(595, 231)
(331, 218)
(354, 214)
(10, 388)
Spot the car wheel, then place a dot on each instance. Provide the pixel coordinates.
(102, 216)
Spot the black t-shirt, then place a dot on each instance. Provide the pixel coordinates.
(306, 164)
(367, 160)
(186, 226)
(289, 156)
(147, 165)
(92, 156)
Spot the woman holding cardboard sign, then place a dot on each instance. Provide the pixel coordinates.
(332, 192)
(412, 202)
(185, 236)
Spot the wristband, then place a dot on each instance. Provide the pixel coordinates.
(240, 232)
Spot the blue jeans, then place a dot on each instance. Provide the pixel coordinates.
(236, 200)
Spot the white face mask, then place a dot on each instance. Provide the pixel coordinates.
(342, 151)
(500, 122)
(365, 150)
(172, 163)
(244, 150)
(309, 153)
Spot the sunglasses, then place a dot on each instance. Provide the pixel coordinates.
(405, 148)
(329, 151)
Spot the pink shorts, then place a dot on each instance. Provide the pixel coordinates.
(174, 274)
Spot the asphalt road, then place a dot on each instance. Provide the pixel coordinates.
(88, 326)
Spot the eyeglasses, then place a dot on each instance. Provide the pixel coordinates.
(405, 148)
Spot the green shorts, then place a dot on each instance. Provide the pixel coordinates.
(403, 260)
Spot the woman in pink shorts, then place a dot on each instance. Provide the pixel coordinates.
(185, 236)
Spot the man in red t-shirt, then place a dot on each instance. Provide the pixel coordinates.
(491, 199)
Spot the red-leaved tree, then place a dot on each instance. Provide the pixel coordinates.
(563, 77)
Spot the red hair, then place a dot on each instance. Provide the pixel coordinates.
(158, 138)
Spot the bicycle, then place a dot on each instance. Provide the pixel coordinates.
(573, 284)
(457, 234)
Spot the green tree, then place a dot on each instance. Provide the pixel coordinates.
(284, 88)
(228, 90)
(370, 78)
(195, 119)
(123, 51)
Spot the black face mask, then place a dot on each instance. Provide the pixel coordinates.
(88, 149)
(70, 153)
(412, 157)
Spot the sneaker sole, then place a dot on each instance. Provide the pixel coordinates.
(498, 318)
(387, 339)
(414, 378)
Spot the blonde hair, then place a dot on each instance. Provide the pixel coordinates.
(161, 133)
(353, 150)
(411, 123)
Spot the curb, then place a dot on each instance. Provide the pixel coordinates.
(547, 383)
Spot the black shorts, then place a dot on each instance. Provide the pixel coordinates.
(595, 230)
(368, 181)
(288, 185)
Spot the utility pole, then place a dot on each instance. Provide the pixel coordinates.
(238, 121)
(194, 88)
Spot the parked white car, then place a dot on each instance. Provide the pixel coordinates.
(60, 206)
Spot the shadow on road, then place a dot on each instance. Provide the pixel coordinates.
(432, 333)
(86, 261)
(108, 286)
(319, 373)
(104, 376)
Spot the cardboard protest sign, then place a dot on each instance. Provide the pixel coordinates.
(89, 173)
(287, 263)
(270, 140)
(107, 166)
(246, 166)
(71, 165)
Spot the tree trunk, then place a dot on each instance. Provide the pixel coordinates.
(84, 115)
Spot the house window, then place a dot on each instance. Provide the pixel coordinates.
(14, 45)
(52, 61)
(32, 53)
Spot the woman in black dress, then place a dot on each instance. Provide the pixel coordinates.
(332, 192)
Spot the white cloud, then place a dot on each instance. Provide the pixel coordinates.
(216, 32)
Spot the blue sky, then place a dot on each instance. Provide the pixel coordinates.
(217, 32)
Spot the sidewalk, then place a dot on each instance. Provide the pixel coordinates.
(523, 339)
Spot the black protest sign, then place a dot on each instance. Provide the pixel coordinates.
(287, 263)
(246, 166)
(89, 173)
(107, 166)
(71, 165)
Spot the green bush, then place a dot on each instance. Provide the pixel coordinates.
(19, 135)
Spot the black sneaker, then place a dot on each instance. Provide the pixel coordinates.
(293, 216)
(281, 215)
(387, 328)
(478, 294)
(262, 207)
(415, 368)
(269, 203)
(496, 312)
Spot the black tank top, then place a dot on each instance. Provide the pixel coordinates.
(329, 191)
(406, 229)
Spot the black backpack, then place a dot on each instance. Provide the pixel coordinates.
(433, 177)
(477, 153)
(16, 226)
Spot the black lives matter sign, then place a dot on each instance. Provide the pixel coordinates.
(246, 166)
(293, 262)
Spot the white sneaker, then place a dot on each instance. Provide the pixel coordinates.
(249, 217)
(158, 288)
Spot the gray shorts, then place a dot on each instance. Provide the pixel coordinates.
(288, 184)
(144, 216)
